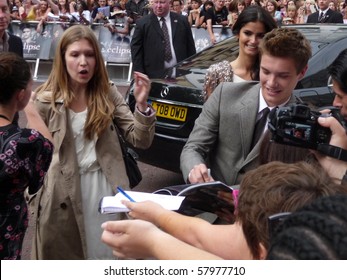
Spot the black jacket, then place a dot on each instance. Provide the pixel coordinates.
(15, 44)
(330, 17)
(147, 48)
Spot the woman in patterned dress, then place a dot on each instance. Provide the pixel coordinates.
(25, 153)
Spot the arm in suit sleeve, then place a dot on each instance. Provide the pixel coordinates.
(191, 43)
(338, 18)
(137, 54)
(204, 135)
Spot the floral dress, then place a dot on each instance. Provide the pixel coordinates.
(218, 73)
(25, 156)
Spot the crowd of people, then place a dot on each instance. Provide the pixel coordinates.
(196, 9)
(200, 13)
(69, 156)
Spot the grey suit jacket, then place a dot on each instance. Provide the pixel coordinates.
(147, 48)
(223, 133)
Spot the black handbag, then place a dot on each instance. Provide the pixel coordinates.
(130, 160)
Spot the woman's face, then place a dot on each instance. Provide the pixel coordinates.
(240, 7)
(27, 3)
(250, 36)
(80, 62)
(43, 5)
(332, 6)
(270, 7)
(291, 4)
(291, 13)
(195, 5)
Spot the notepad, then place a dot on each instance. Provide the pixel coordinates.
(113, 204)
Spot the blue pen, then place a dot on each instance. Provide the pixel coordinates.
(125, 194)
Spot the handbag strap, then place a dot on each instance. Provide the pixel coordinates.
(122, 142)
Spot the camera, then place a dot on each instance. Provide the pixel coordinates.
(297, 125)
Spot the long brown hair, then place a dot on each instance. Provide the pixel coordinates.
(100, 107)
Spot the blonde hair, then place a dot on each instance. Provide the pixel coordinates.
(100, 107)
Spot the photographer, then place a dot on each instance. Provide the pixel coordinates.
(335, 168)
(324, 132)
(338, 73)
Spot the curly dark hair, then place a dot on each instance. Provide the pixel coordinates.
(14, 75)
(315, 232)
(338, 70)
(278, 187)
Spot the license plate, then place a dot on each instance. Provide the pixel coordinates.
(173, 112)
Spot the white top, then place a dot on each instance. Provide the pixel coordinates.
(94, 186)
(238, 79)
(85, 13)
(173, 61)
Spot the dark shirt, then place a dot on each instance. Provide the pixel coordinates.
(136, 11)
(217, 16)
(25, 156)
(15, 44)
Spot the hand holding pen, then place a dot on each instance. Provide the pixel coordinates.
(125, 194)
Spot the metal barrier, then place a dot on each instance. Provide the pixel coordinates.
(40, 46)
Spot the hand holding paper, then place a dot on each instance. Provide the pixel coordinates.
(113, 204)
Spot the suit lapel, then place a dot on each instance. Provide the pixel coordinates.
(327, 16)
(173, 19)
(247, 118)
(255, 151)
(155, 24)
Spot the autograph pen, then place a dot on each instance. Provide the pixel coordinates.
(125, 194)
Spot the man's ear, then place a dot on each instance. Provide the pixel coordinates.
(262, 252)
(20, 94)
(303, 72)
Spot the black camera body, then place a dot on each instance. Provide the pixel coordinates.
(297, 125)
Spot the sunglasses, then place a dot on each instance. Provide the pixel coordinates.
(274, 221)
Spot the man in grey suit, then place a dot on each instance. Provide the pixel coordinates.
(223, 134)
(325, 15)
(148, 50)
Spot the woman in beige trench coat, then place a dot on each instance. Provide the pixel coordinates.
(78, 105)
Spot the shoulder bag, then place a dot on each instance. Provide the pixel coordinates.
(130, 160)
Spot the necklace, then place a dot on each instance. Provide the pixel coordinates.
(4, 117)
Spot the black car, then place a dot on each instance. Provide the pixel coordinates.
(179, 101)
